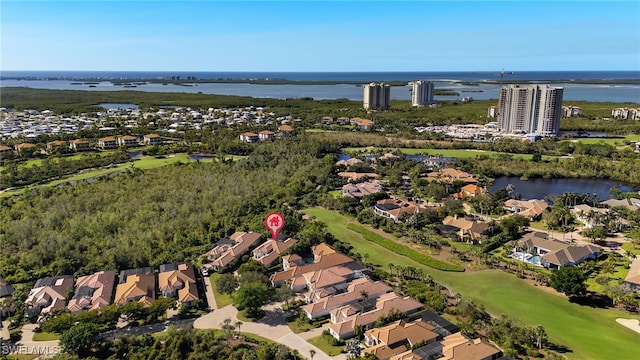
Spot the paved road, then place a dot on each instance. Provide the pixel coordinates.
(273, 327)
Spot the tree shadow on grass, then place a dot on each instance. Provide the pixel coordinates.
(272, 317)
(559, 348)
(593, 300)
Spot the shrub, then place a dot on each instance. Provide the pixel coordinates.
(404, 250)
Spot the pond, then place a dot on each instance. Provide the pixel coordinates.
(540, 188)
(118, 106)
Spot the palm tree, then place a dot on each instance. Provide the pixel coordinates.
(541, 336)
(228, 329)
(238, 324)
(312, 353)
(364, 295)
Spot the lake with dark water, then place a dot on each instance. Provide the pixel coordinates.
(539, 188)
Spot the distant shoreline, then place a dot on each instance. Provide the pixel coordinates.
(268, 81)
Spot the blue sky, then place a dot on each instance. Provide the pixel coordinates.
(319, 35)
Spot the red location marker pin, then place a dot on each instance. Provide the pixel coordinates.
(274, 222)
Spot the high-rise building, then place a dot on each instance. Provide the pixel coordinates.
(376, 96)
(530, 109)
(421, 93)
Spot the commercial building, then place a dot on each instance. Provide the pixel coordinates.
(530, 109)
(377, 96)
(421, 93)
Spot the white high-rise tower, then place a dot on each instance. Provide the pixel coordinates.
(376, 96)
(530, 109)
(421, 93)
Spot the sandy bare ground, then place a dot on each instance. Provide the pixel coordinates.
(632, 324)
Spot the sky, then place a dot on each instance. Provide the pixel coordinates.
(319, 35)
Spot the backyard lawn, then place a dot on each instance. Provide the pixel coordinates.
(45, 336)
(588, 333)
(321, 343)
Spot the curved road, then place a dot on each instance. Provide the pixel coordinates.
(273, 327)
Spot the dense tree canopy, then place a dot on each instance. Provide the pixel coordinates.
(159, 216)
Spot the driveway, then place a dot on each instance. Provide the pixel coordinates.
(27, 346)
(273, 327)
(208, 289)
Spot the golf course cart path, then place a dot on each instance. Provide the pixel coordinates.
(632, 324)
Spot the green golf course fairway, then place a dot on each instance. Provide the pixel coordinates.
(588, 333)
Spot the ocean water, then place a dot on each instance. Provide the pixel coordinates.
(609, 92)
(337, 76)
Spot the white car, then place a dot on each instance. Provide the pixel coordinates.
(205, 272)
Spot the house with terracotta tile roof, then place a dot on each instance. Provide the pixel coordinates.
(290, 261)
(178, 280)
(321, 302)
(269, 251)
(108, 142)
(531, 209)
(632, 280)
(396, 337)
(362, 124)
(152, 139)
(52, 145)
(127, 140)
(465, 229)
(286, 130)
(459, 347)
(327, 120)
(449, 175)
(48, 294)
(24, 147)
(231, 248)
(356, 177)
(266, 135)
(5, 149)
(79, 145)
(136, 285)
(467, 191)
(395, 209)
(93, 291)
(325, 257)
(249, 137)
(349, 162)
(346, 318)
(362, 189)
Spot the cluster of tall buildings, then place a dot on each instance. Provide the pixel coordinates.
(530, 109)
(522, 108)
(377, 96)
